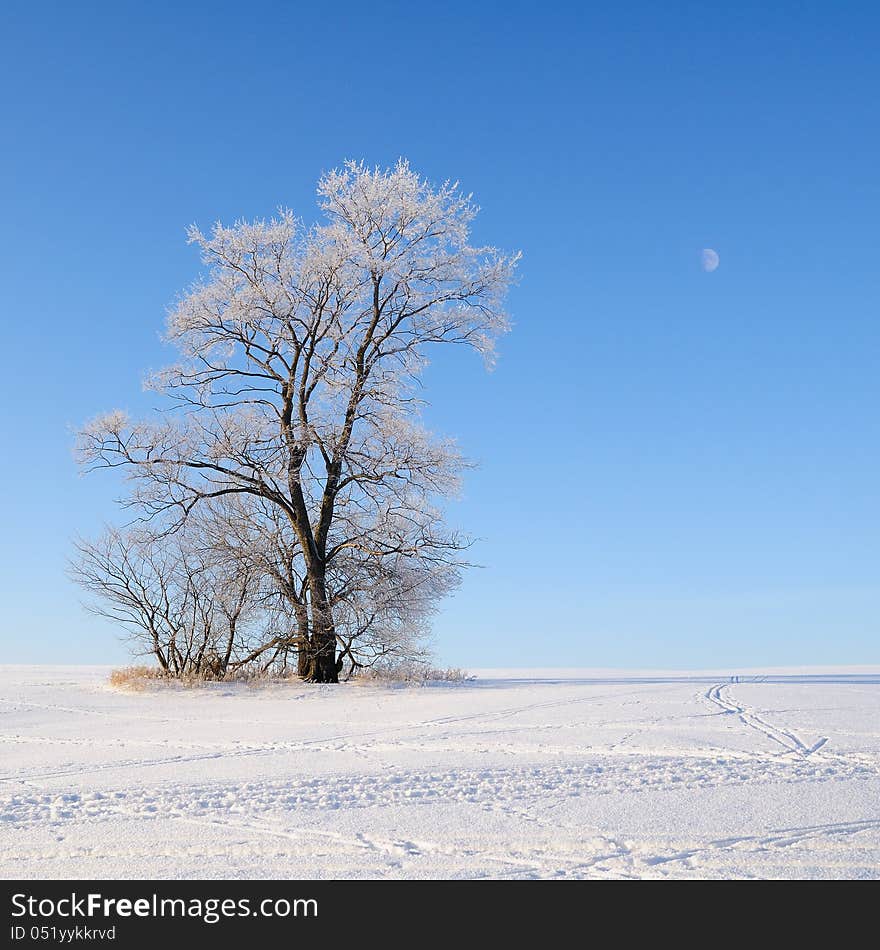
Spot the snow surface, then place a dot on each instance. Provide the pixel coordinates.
(519, 774)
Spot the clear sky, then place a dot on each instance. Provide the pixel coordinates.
(678, 468)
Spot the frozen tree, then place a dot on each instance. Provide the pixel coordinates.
(300, 351)
(381, 598)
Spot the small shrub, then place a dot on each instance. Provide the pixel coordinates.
(142, 677)
(257, 677)
(409, 674)
(137, 677)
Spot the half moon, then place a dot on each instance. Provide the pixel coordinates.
(710, 259)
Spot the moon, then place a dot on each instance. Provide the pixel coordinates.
(710, 259)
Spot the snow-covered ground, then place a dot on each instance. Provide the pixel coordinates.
(562, 773)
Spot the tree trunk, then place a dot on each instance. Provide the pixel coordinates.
(322, 666)
(303, 644)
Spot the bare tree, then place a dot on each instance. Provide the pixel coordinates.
(300, 353)
(179, 602)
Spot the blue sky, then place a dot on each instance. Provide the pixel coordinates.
(678, 469)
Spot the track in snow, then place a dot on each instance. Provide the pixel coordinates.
(788, 740)
(534, 777)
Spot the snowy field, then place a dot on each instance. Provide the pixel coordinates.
(540, 774)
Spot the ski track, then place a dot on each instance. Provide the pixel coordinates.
(718, 695)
